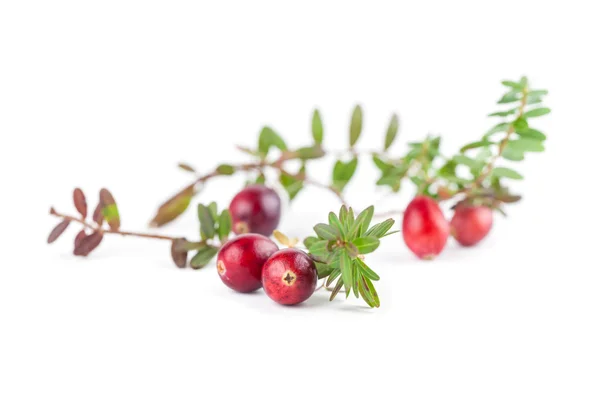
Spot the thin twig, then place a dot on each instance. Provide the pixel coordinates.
(99, 229)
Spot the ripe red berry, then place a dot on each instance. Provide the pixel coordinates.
(289, 276)
(240, 261)
(255, 209)
(470, 224)
(424, 228)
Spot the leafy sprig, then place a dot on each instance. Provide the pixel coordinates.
(339, 249)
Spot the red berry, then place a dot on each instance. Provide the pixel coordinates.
(289, 276)
(255, 209)
(424, 228)
(240, 261)
(470, 224)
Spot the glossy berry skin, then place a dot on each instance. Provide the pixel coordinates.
(240, 261)
(424, 228)
(470, 224)
(256, 209)
(289, 276)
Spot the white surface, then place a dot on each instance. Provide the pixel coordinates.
(116, 93)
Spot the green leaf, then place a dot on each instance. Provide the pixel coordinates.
(335, 222)
(348, 219)
(224, 225)
(475, 145)
(326, 232)
(309, 241)
(310, 153)
(291, 184)
(355, 277)
(536, 112)
(207, 223)
(319, 248)
(513, 154)
(468, 161)
(520, 123)
(526, 145)
(379, 230)
(355, 125)
(503, 113)
(343, 173)
(212, 207)
(323, 270)
(502, 172)
(269, 138)
(111, 214)
(369, 293)
(366, 245)
(173, 207)
(260, 179)
(541, 92)
(380, 164)
(203, 257)
(513, 85)
(391, 133)
(336, 289)
(531, 134)
(226, 169)
(510, 97)
(366, 271)
(362, 222)
(317, 127)
(334, 274)
(501, 127)
(346, 268)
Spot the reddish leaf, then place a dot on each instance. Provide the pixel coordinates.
(58, 230)
(79, 237)
(110, 210)
(98, 216)
(179, 257)
(173, 207)
(88, 244)
(80, 202)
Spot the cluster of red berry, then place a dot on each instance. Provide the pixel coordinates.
(426, 230)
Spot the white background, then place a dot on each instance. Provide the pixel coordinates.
(115, 93)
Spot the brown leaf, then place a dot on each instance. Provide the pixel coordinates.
(173, 207)
(179, 257)
(80, 202)
(110, 210)
(98, 216)
(186, 167)
(88, 244)
(58, 230)
(79, 237)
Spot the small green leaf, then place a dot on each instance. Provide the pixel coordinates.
(336, 289)
(343, 173)
(212, 207)
(391, 133)
(207, 223)
(309, 241)
(502, 172)
(370, 292)
(536, 112)
(541, 92)
(366, 271)
(291, 184)
(366, 245)
(226, 169)
(474, 145)
(513, 154)
(203, 257)
(531, 134)
(468, 161)
(334, 274)
(379, 163)
(355, 277)
(355, 125)
(513, 85)
(317, 127)
(379, 230)
(310, 153)
(224, 225)
(111, 214)
(503, 113)
(325, 231)
(510, 97)
(323, 270)
(269, 138)
(524, 145)
(335, 222)
(362, 222)
(502, 127)
(260, 179)
(346, 268)
(319, 248)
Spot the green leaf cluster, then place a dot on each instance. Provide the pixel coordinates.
(212, 225)
(339, 248)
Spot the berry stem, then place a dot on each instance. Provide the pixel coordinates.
(99, 229)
